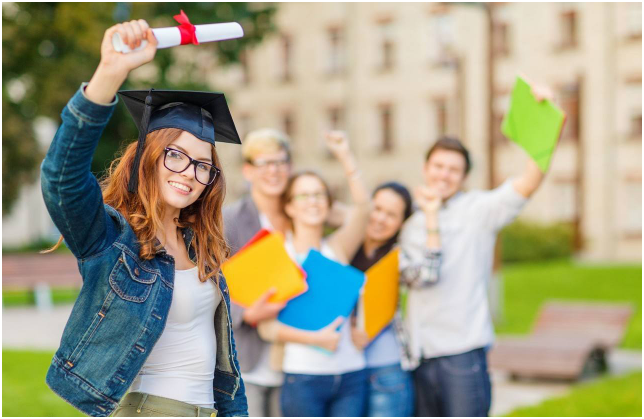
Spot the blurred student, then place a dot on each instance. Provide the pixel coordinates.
(318, 383)
(390, 386)
(450, 324)
(267, 167)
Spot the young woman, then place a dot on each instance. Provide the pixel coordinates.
(319, 383)
(391, 391)
(152, 319)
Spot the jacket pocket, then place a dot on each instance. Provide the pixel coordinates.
(130, 280)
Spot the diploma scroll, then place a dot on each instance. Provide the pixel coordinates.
(172, 37)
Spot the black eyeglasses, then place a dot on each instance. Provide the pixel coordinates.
(280, 164)
(178, 161)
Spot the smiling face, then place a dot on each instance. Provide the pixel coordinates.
(386, 216)
(179, 190)
(268, 173)
(309, 203)
(444, 172)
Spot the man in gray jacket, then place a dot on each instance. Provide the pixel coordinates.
(267, 167)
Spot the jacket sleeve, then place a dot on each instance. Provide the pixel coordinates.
(70, 191)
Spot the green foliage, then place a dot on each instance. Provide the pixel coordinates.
(14, 298)
(24, 392)
(524, 242)
(614, 396)
(48, 49)
(527, 286)
(36, 246)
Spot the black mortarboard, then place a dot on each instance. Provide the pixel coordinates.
(203, 114)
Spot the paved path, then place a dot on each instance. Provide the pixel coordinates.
(27, 328)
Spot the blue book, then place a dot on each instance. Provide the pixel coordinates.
(333, 291)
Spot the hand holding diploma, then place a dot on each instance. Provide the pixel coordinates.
(114, 67)
(185, 33)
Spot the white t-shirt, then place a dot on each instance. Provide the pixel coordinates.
(263, 374)
(453, 316)
(307, 359)
(181, 366)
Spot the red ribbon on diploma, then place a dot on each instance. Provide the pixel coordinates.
(186, 29)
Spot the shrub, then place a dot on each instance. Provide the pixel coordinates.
(524, 241)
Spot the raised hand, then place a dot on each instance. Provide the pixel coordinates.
(115, 66)
(428, 199)
(338, 143)
(132, 33)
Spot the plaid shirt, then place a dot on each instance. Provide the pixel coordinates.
(413, 275)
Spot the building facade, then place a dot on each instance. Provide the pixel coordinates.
(397, 76)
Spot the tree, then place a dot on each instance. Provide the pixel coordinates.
(48, 49)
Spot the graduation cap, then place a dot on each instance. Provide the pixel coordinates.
(203, 114)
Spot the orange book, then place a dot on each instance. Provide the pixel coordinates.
(380, 296)
(260, 265)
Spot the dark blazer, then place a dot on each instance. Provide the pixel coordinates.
(241, 223)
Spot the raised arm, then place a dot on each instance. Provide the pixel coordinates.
(420, 269)
(70, 191)
(528, 182)
(347, 239)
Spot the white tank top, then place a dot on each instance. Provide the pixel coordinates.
(307, 359)
(181, 365)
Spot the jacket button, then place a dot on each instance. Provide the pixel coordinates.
(137, 272)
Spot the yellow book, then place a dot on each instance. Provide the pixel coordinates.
(380, 296)
(260, 265)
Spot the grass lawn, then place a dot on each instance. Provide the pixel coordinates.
(528, 285)
(13, 298)
(24, 392)
(614, 396)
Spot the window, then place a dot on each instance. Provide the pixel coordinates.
(387, 50)
(288, 124)
(336, 118)
(442, 40)
(636, 125)
(440, 116)
(634, 21)
(334, 121)
(570, 105)
(568, 27)
(336, 56)
(386, 128)
(286, 55)
(501, 39)
(501, 30)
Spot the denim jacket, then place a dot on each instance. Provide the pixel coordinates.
(123, 305)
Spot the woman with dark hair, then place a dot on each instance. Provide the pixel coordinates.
(152, 319)
(391, 389)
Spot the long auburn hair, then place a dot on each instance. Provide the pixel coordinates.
(144, 210)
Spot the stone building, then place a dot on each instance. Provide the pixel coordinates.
(396, 76)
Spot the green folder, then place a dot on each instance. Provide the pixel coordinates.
(535, 126)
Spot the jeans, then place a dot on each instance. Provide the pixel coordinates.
(454, 385)
(325, 395)
(391, 392)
